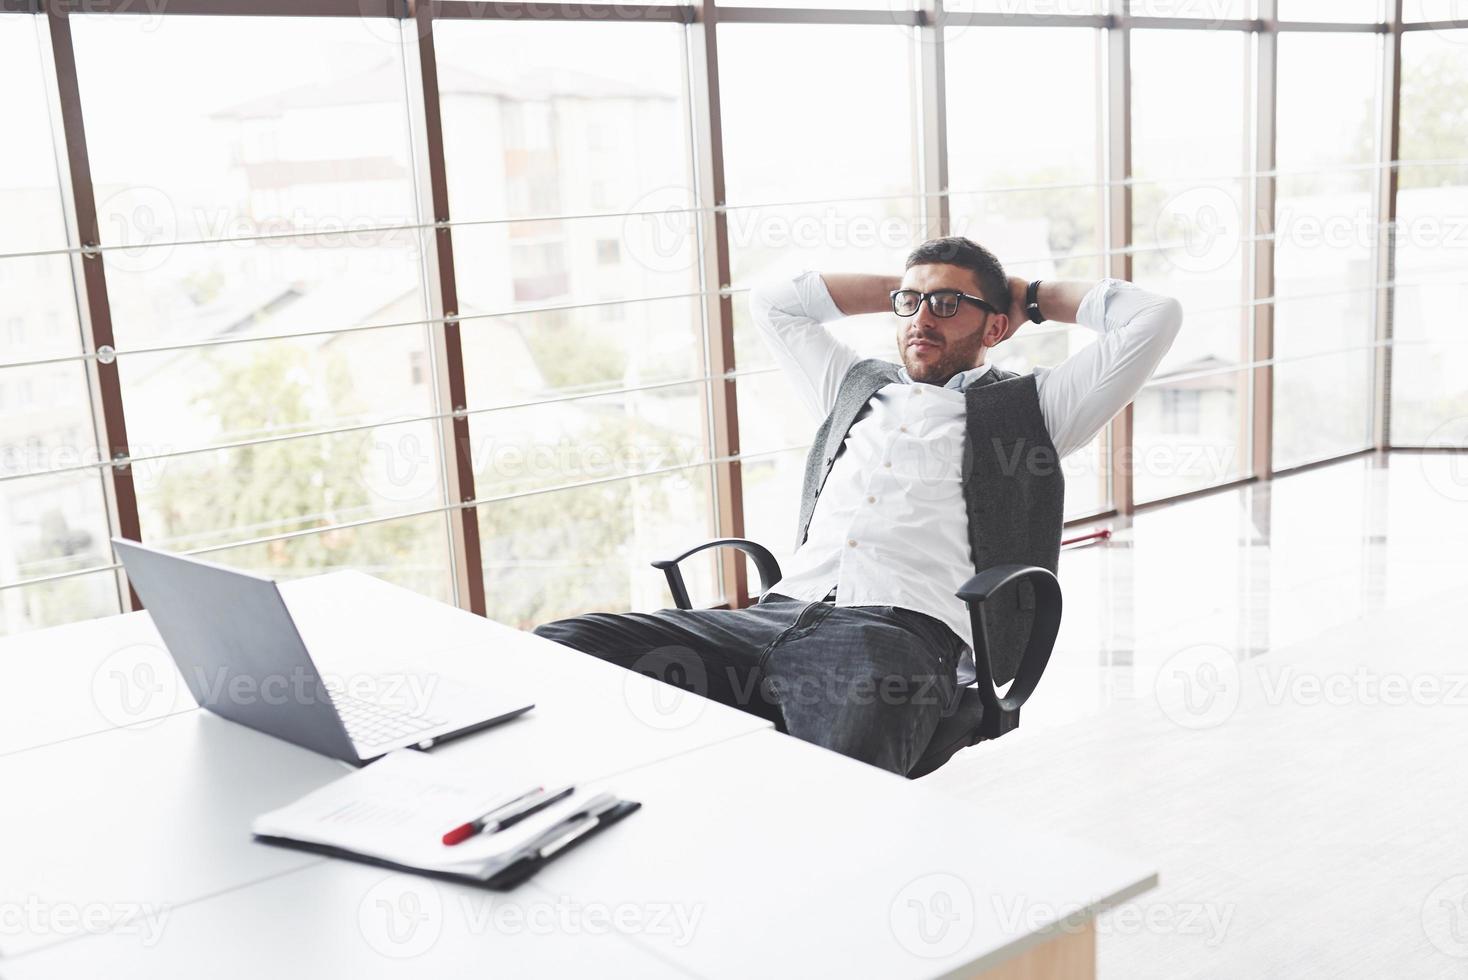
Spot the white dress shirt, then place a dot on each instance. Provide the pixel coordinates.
(890, 527)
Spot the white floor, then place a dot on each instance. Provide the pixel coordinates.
(1265, 691)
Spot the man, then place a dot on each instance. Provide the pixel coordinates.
(920, 475)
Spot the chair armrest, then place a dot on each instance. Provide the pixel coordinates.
(764, 563)
(1002, 714)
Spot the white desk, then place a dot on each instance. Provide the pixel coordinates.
(158, 810)
(801, 862)
(753, 854)
(109, 673)
(339, 919)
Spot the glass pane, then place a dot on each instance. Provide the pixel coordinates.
(522, 357)
(1053, 231)
(981, 62)
(66, 600)
(1189, 432)
(206, 499)
(573, 119)
(1324, 254)
(605, 437)
(856, 75)
(315, 156)
(870, 335)
(1188, 226)
(772, 487)
(1030, 7)
(529, 265)
(188, 294)
(1087, 478)
(1430, 359)
(1213, 10)
(317, 143)
(587, 549)
(33, 219)
(776, 161)
(49, 525)
(45, 415)
(1332, 11)
(317, 150)
(894, 5)
(1189, 144)
(185, 399)
(772, 418)
(1437, 11)
(845, 236)
(412, 552)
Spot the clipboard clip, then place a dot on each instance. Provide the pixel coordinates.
(599, 813)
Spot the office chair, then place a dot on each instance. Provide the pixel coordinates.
(979, 713)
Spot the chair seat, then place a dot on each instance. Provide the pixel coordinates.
(980, 713)
(957, 730)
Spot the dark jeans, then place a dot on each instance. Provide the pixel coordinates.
(870, 682)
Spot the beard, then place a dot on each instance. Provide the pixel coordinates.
(953, 357)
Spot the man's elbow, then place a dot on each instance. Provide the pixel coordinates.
(1169, 319)
(767, 301)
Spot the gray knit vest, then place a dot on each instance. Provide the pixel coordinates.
(1011, 478)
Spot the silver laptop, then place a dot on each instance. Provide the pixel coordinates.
(242, 657)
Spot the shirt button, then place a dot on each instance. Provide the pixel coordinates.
(851, 542)
(888, 464)
(871, 500)
(902, 428)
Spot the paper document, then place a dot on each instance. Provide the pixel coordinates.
(398, 808)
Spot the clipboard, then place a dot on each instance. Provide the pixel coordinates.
(503, 880)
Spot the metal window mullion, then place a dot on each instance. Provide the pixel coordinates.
(1388, 148)
(1118, 229)
(445, 345)
(708, 149)
(94, 310)
(1261, 211)
(933, 121)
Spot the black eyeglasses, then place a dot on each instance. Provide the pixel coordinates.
(943, 302)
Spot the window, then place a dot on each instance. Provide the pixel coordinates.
(1035, 202)
(1189, 147)
(51, 526)
(234, 157)
(269, 266)
(1323, 253)
(1206, 10)
(1429, 359)
(1338, 11)
(1181, 410)
(848, 205)
(589, 405)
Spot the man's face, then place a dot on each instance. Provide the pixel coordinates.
(935, 348)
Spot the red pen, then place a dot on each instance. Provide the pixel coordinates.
(464, 831)
(490, 823)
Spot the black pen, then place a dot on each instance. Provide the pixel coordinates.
(534, 808)
(570, 828)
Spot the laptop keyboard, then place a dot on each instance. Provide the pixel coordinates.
(373, 724)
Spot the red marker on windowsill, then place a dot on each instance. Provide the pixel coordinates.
(506, 814)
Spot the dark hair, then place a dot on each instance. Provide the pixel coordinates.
(988, 274)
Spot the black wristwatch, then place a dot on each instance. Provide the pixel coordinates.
(1032, 302)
